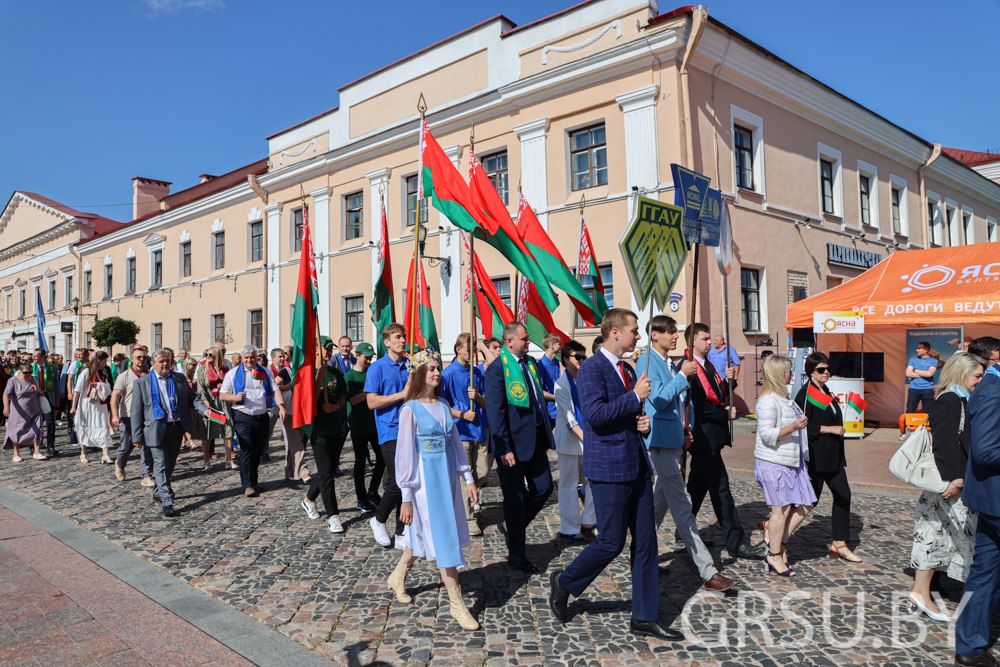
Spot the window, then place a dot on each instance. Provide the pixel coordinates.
(750, 288)
(864, 188)
(502, 286)
(109, 280)
(219, 328)
(744, 157)
(186, 259)
(968, 225)
(156, 269)
(88, 340)
(67, 291)
(991, 230)
(21, 302)
(495, 166)
(255, 326)
(900, 217)
(354, 317)
(218, 251)
(87, 286)
(588, 157)
(156, 335)
(184, 334)
(411, 202)
(868, 194)
(130, 275)
(607, 279)
(830, 184)
(354, 215)
(256, 240)
(52, 296)
(952, 235)
(748, 150)
(297, 219)
(38, 298)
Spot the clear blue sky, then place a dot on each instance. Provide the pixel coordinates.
(99, 92)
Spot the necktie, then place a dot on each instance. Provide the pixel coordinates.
(625, 377)
(528, 380)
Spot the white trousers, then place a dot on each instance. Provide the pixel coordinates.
(570, 515)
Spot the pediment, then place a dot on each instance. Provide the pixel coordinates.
(50, 273)
(26, 218)
(154, 239)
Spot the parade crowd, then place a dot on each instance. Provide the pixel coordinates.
(635, 434)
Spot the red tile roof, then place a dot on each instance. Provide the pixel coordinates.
(101, 224)
(971, 158)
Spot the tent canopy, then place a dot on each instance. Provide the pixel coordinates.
(917, 288)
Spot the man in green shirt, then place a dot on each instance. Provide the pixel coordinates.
(327, 432)
(363, 432)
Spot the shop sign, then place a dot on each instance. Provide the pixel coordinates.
(852, 257)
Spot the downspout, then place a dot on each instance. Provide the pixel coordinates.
(264, 197)
(935, 154)
(78, 325)
(698, 20)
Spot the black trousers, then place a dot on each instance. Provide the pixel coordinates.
(252, 432)
(71, 427)
(50, 430)
(841, 490)
(392, 497)
(326, 453)
(363, 445)
(525, 486)
(708, 474)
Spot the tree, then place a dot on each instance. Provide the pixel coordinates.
(114, 331)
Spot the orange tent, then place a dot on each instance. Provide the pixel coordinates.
(939, 286)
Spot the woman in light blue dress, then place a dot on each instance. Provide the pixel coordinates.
(429, 460)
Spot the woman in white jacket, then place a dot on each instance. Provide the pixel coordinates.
(568, 436)
(780, 455)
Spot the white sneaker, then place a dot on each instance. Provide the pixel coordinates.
(206, 466)
(310, 509)
(40, 457)
(59, 422)
(335, 525)
(18, 459)
(400, 542)
(379, 532)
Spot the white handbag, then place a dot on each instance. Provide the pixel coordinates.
(914, 462)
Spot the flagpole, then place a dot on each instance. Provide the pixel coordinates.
(320, 366)
(579, 245)
(473, 353)
(422, 108)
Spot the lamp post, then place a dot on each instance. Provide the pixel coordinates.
(433, 262)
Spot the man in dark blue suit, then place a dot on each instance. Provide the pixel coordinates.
(521, 436)
(982, 495)
(618, 468)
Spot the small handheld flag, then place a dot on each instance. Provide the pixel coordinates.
(856, 402)
(216, 417)
(818, 398)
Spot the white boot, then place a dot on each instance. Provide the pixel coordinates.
(459, 611)
(397, 582)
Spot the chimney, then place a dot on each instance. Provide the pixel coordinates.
(147, 196)
(205, 178)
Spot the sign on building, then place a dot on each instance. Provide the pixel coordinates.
(838, 321)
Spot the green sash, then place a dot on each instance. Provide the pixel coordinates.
(47, 376)
(513, 379)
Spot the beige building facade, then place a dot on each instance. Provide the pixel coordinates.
(588, 106)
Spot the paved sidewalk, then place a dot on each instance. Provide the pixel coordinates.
(262, 557)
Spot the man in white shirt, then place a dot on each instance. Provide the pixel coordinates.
(121, 399)
(252, 390)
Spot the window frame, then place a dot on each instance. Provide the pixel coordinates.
(607, 279)
(255, 338)
(51, 296)
(761, 292)
(899, 184)
(109, 280)
(182, 343)
(355, 330)
(829, 154)
(255, 253)
(992, 232)
(214, 326)
(591, 150)
(952, 223)
(497, 174)
(935, 220)
(155, 264)
(216, 248)
(870, 172)
(968, 228)
(407, 193)
(156, 331)
(67, 290)
(297, 220)
(22, 302)
(509, 297)
(755, 124)
(87, 291)
(356, 229)
(131, 275)
(186, 261)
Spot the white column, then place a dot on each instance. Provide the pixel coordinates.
(450, 246)
(272, 221)
(321, 246)
(378, 179)
(641, 149)
(533, 166)
(641, 157)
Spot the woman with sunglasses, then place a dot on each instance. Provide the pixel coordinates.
(827, 461)
(568, 436)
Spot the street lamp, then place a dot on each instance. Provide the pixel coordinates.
(443, 262)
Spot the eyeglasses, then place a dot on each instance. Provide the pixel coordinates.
(822, 369)
(579, 356)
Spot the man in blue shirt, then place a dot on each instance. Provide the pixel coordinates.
(386, 386)
(468, 409)
(920, 372)
(550, 370)
(718, 353)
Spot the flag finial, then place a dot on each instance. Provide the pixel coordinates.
(421, 104)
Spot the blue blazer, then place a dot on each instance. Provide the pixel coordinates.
(512, 429)
(982, 478)
(612, 443)
(665, 405)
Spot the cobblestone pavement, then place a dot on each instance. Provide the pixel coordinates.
(263, 557)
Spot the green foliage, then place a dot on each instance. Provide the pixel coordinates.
(114, 331)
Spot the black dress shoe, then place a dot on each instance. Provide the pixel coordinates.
(985, 660)
(748, 552)
(374, 498)
(654, 629)
(168, 510)
(579, 537)
(558, 597)
(524, 565)
(365, 505)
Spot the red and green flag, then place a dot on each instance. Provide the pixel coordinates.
(819, 398)
(382, 306)
(418, 310)
(538, 319)
(304, 336)
(586, 265)
(856, 402)
(494, 314)
(553, 265)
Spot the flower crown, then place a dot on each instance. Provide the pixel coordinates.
(418, 359)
